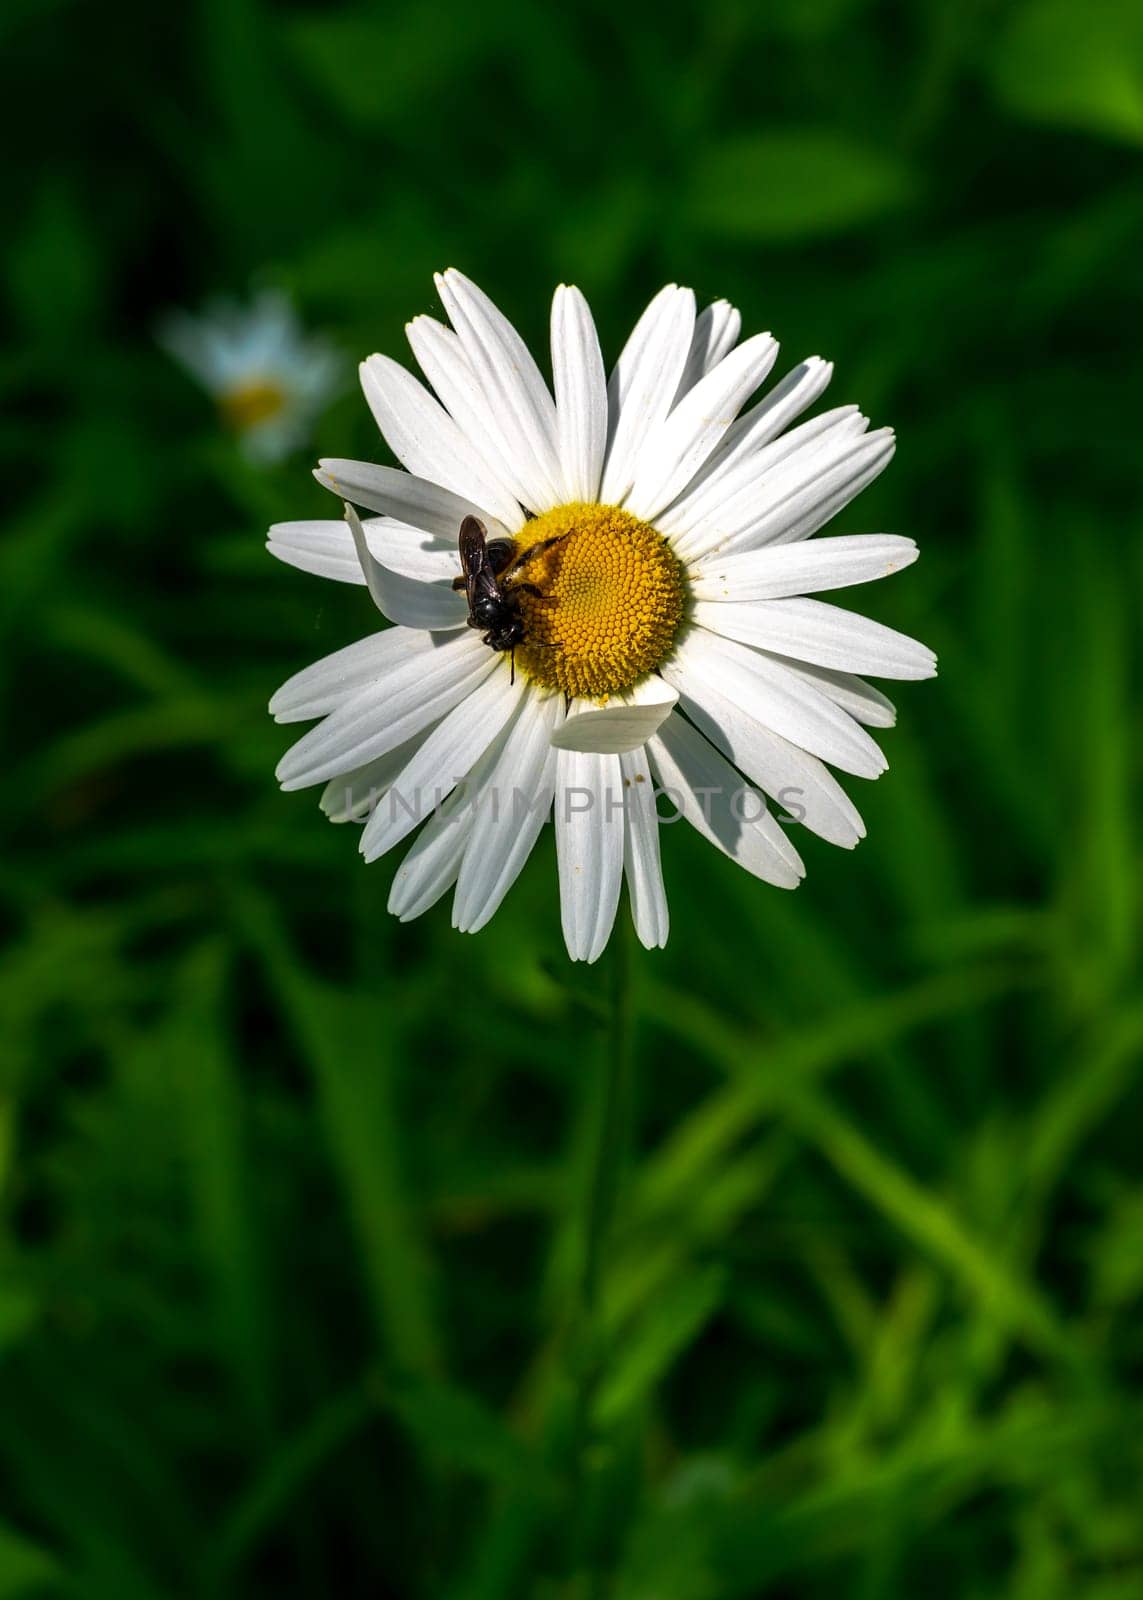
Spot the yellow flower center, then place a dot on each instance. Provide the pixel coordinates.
(248, 404)
(609, 604)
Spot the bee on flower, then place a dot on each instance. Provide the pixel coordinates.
(600, 594)
(268, 377)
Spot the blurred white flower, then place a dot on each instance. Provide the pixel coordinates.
(269, 377)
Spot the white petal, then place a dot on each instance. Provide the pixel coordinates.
(620, 725)
(326, 684)
(808, 506)
(802, 499)
(792, 395)
(441, 762)
(412, 551)
(513, 809)
(426, 440)
(864, 703)
(782, 701)
(715, 334)
(430, 867)
(326, 548)
(352, 796)
(651, 691)
(644, 382)
(641, 864)
(522, 410)
(408, 601)
(589, 848)
(442, 359)
(798, 781)
(717, 801)
(724, 502)
(825, 635)
(678, 446)
(777, 571)
(413, 501)
(413, 692)
(581, 394)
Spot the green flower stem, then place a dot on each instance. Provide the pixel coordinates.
(612, 1133)
(610, 1149)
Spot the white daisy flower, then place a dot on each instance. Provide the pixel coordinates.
(646, 629)
(269, 377)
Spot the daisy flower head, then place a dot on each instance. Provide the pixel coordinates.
(630, 625)
(267, 375)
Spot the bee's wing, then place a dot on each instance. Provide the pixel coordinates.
(473, 558)
(473, 535)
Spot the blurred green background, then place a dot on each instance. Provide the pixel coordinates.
(290, 1195)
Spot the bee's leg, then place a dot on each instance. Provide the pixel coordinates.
(528, 588)
(532, 550)
(512, 667)
(458, 583)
